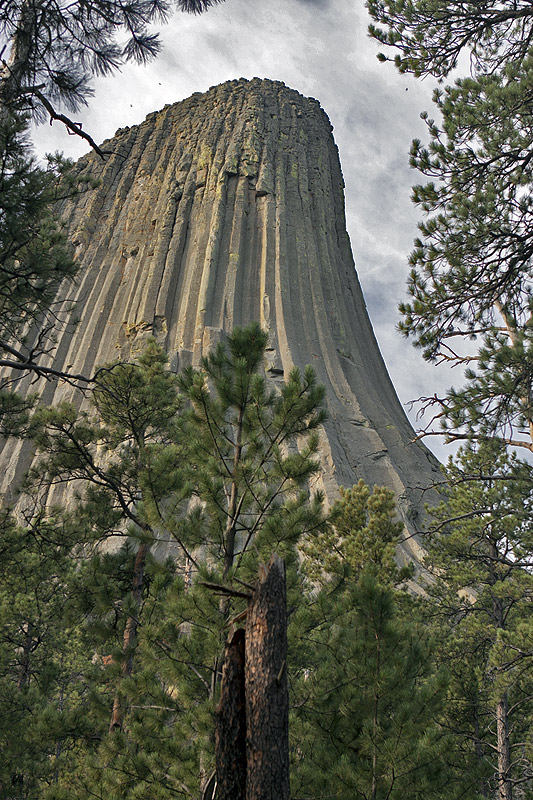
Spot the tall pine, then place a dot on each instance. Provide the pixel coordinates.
(201, 488)
(367, 692)
(480, 596)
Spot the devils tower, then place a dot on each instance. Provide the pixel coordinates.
(217, 211)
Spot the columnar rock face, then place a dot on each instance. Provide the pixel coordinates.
(223, 209)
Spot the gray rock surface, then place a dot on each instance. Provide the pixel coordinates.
(219, 210)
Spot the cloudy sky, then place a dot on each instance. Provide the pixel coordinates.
(320, 48)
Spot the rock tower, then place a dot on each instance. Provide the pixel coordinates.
(219, 210)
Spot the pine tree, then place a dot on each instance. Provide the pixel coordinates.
(363, 533)
(243, 453)
(481, 595)
(135, 422)
(470, 305)
(367, 694)
(55, 49)
(126, 457)
(470, 283)
(42, 660)
(34, 261)
(431, 35)
(33, 256)
(253, 449)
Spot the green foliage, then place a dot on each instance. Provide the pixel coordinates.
(126, 450)
(34, 259)
(471, 305)
(363, 533)
(57, 49)
(366, 692)
(127, 457)
(215, 477)
(33, 255)
(252, 451)
(392, 696)
(35, 262)
(42, 693)
(480, 597)
(470, 283)
(430, 35)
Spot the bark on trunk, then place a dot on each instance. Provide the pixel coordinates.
(229, 538)
(505, 790)
(267, 694)
(130, 634)
(24, 666)
(230, 731)
(375, 724)
(512, 333)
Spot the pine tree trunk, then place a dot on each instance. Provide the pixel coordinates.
(505, 790)
(375, 723)
(130, 634)
(230, 730)
(24, 666)
(267, 695)
(512, 331)
(229, 537)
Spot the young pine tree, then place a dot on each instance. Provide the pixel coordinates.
(222, 473)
